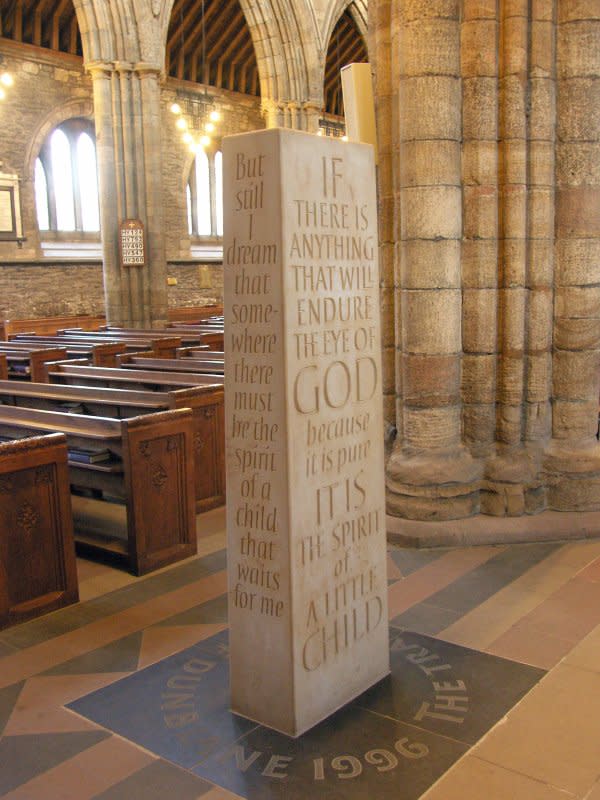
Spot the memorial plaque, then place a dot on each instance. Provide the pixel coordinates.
(304, 432)
(131, 243)
(10, 208)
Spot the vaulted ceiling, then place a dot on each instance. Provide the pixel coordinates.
(208, 42)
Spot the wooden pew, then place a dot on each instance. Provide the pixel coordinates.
(48, 325)
(77, 373)
(26, 362)
(135, 361)
(3, 367)
(138, 504)
(37, 555)
(101, 354)
(205, 402)
(188, 337)
(194, 314)
(162, 346)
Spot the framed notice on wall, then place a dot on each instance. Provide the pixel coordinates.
(132, 246)
(10, 208)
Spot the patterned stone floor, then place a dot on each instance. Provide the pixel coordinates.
(494, 691)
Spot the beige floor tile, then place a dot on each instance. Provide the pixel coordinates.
(586, 654)
(40, 657)
(474, 779)
(39, 708)
(161, 642)
(530, 645)
(79, 778)
(553, 735)
(485, 623)
(420, 585)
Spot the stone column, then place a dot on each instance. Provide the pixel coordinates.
(573, 455)
(127, 113)
(386, 116)
(479, 63)
(430, 474)
(511, 469)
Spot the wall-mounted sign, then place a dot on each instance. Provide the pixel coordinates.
(131, 243)
(10, 208)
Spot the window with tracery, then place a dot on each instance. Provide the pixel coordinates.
(205, 195)
(66, 181)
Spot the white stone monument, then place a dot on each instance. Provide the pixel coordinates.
(304, 431)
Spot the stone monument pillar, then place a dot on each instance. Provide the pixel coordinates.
(127, 113)
(304, 444)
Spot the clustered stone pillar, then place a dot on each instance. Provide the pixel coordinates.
(495, 299)
(127, 113)
(573, 456)
(430, 474)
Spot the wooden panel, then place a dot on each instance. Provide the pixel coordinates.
(159, 474)
(37, 556)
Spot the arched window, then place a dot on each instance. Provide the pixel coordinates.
(205, 195)
(66, 182)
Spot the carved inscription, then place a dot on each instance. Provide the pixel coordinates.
(253, 342)
(333, 282)
(306, 538)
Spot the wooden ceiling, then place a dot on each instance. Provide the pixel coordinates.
(208, 42)
(45, 23)
(346, 46)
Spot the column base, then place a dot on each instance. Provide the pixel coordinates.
(572, 474)
(548, 526)
(440, 485)
(511, 484)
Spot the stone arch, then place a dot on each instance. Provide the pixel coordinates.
(123, 30)
(73, 108)
(358, 10)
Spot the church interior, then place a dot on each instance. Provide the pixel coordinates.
(115, 431)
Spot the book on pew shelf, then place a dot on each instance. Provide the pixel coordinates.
(73, 408)
(88, 456)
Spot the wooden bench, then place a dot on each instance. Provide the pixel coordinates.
(163, 344)
(164, 347)
(205, 402)
(134, 361)
(25, 361)
(138, 504)
(77, 373)
(49, 325)
(194, 314)
(3, 367)
(188, 337)
(37, 556)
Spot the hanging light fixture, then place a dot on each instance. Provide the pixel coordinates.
(6, 79)
(195, 112)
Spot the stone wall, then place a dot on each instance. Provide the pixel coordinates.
(50, 88)
(38, 289)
